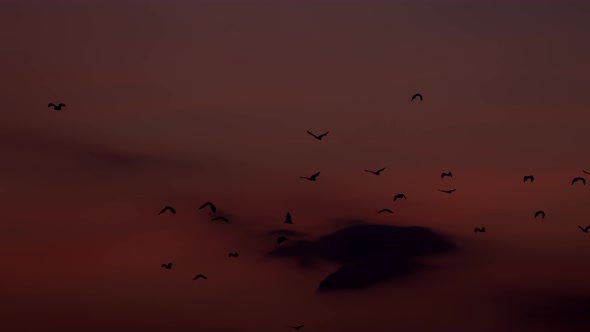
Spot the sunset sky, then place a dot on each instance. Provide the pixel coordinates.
(181, 102)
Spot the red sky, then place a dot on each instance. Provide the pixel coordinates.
(179, 102)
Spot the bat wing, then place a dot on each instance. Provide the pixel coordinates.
(51, 105)
(309, 132)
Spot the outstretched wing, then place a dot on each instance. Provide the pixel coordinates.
(380, 170)
(312, 134)
(315, 175)
(324, 134)
(585, 172)
(51, 105)
(61, 105)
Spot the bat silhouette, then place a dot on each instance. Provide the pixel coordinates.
(200, 276)
(399, 196)
(377, 172)
(281, 239)
(210, 205)
(385, 210)
(56, 107)
(417, 95)
(447, 191)
(222, 218)
(311, 178)
(288, 219)
(233, 254)
(169, 208)
(443, 174)
(528, 177)
(167, 266)
(579, 179)
(482, 230)
(585, 230)
(540, 213)
(318, 137)
(297, 327)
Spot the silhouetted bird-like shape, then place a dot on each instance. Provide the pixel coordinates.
(318, 137)
(311, 178)
(168, 208)
(200, 276)
(540, 213)
(585, 172)
(377, 172)
(579, 179)
(57, 107)
(585, 230)
(167, 266)
(297, 327)
(233, 254)
(443, 174)
(222, 218)
(281, 239)
(417, 95)
(447, 191)
(482, 229)
(385, 210)
(399, 196)
(288, 219)
(209, 204)
(528, 177)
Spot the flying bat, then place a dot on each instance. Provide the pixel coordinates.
(482, 230)
(318, 137)
(579, 179)
(385, 210)
(528, 177)
(417, 95)
(233, 254)
(311, 178)
(541, 213)
(210, 205)
(222, 218)
(167, 266)
(297, 327)
(56, 107)
(443, 174)
(288, 219)
(377, 172)
(447, 191)
(399, 196)
(585, 230)
(167, 208)
(281, 239)
(200, 276)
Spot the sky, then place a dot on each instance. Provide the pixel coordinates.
(180, 102)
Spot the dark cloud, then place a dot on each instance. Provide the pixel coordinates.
(369, 253)
(285, 232)
(568, 311)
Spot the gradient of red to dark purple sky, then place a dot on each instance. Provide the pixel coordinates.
(179, 102)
